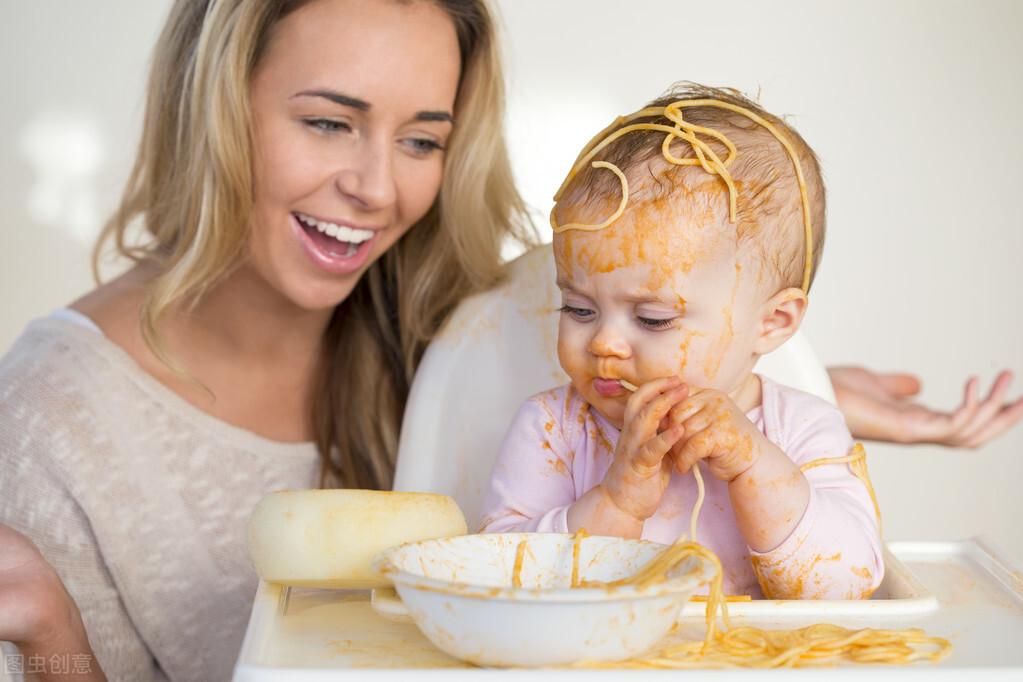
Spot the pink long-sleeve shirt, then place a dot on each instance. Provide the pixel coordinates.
(557, 448)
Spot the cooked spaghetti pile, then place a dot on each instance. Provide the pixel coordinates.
(751, 647)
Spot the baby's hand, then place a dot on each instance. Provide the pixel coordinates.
(640, 472)
(715, 430)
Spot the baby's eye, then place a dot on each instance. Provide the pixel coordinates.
(580, 314)
(327, 125)
(655, 323)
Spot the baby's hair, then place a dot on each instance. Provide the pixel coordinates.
(768, 202)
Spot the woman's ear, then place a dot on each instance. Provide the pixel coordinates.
(781, 316)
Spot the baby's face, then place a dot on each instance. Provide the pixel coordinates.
(661, 292)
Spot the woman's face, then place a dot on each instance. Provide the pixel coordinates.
(352, 107)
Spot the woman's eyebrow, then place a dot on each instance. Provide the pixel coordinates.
(336, 98)
(363, 105)
(441, 116)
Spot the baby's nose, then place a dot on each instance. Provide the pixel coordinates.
(607, 343)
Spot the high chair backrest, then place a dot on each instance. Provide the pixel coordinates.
(498, 349)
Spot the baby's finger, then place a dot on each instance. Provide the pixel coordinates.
(686, 409)
(646, 393)
(649, 418)
(692, 451)
(654, 450)
(645, 425)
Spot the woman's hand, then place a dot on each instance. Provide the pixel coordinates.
(878, 407)
(36, 612)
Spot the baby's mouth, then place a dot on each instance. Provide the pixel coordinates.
(609, 388)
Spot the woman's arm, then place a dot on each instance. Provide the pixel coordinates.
(879, 407)
(39, 616)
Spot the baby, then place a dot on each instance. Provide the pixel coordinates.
(685, 248)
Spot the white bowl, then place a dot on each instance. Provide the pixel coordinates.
(459, 592)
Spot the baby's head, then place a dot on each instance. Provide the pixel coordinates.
(673, 286)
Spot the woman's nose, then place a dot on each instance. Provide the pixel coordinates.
(368, 179)
(607, 342)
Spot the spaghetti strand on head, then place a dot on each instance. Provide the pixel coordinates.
(705, 157)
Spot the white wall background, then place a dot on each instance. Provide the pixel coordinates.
(913, 105)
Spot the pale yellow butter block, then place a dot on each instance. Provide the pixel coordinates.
(328, 538)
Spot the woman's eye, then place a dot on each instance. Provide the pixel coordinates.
(654, 323)
(423, 146)
(327, 125)
(581, 314)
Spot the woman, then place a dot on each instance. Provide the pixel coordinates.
(301, 246)
(308, 226)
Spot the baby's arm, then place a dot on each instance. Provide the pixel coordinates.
(811, 535)
(835, 549)
(769, 493)
(531, 486)
(633, 486)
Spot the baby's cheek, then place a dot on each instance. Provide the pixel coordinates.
(571, 354)
(669, 356)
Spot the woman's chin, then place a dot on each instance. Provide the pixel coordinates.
(314, 296)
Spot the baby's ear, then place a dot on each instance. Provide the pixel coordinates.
(781, 316)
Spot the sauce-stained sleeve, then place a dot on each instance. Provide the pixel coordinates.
(835, 551)
(531, 486)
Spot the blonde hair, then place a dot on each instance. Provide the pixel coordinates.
(769, 209)
(192, 188)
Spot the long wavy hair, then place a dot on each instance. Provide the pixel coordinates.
(191, 193)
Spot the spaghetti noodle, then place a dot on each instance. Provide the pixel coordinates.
(520, 555)
(706, 158)
(750, 647)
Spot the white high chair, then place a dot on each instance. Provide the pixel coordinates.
(498, 349)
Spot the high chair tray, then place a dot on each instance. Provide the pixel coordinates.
(963, 591)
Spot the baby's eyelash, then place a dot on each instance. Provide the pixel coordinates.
(572, 310)
(651, 323)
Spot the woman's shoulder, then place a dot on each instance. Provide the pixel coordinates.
(64, 376)
(45, 356)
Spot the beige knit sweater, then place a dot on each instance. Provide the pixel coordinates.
(137, 499)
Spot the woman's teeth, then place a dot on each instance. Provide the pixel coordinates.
(349, 235)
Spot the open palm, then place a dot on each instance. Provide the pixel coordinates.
(879, 407)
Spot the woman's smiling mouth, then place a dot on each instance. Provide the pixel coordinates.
(337, 249)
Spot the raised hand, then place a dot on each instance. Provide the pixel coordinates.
(640, 472)
(879, 407)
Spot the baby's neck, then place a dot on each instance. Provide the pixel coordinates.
(749, 394)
